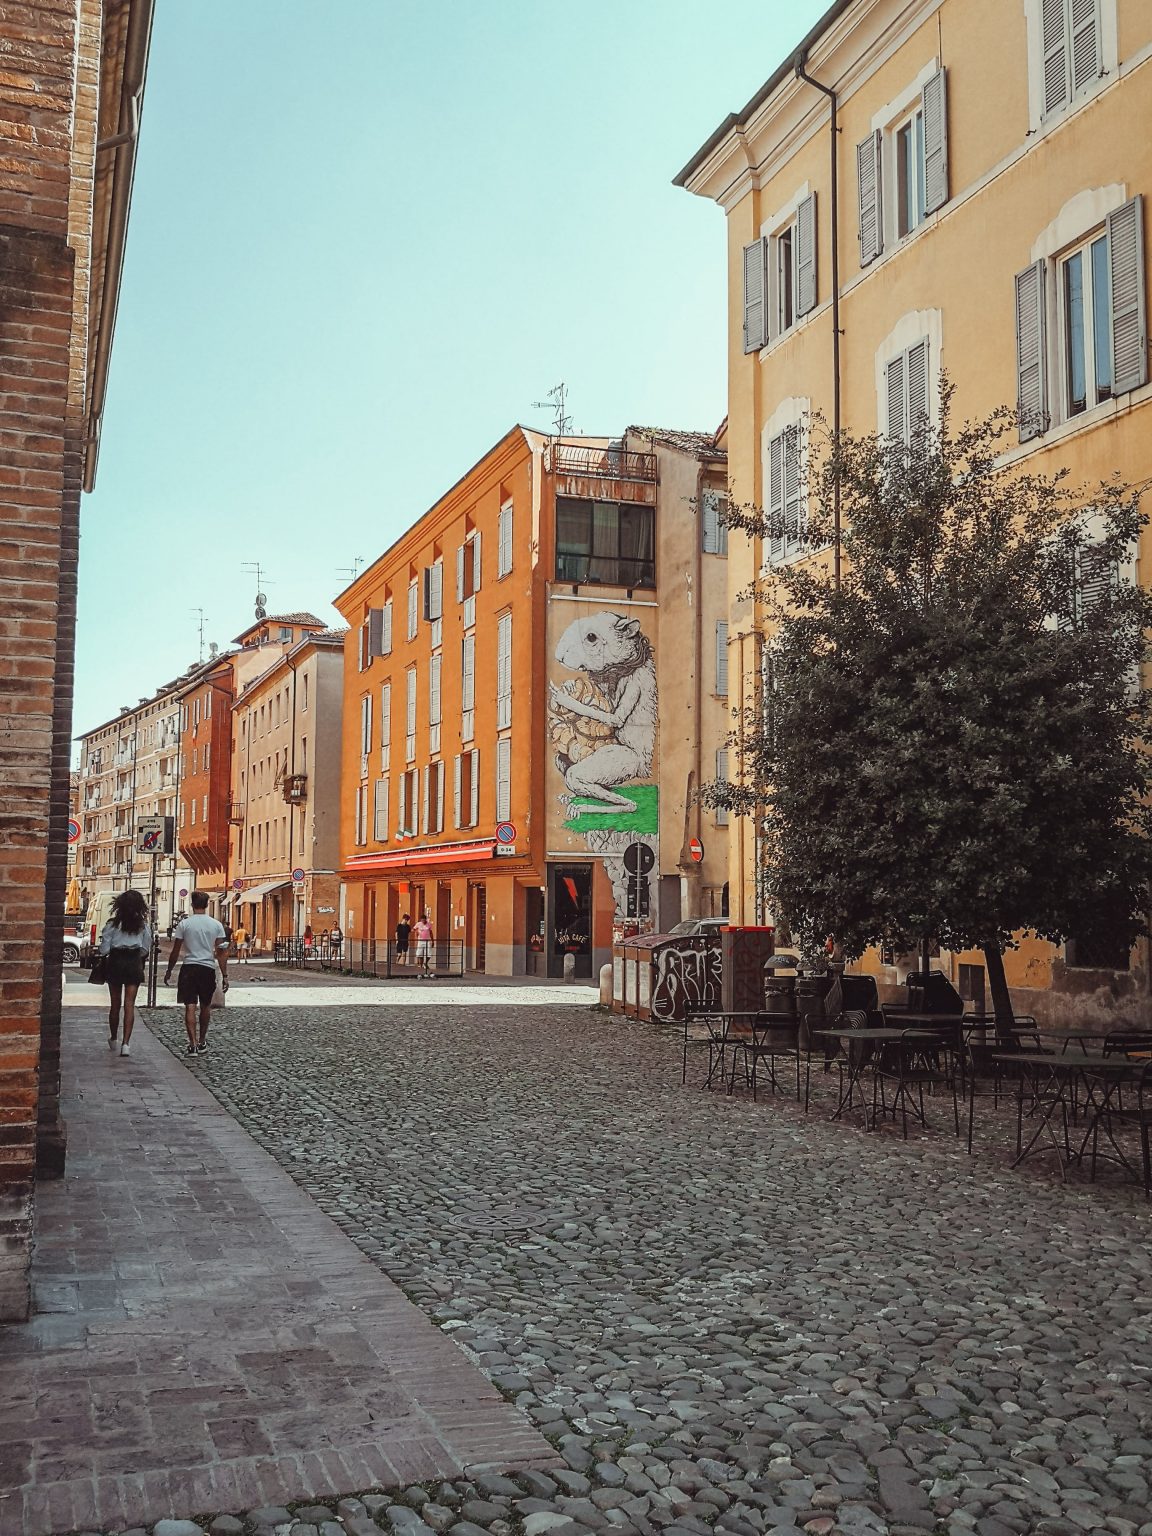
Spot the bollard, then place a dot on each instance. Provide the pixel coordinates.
(569, 967)
(606, 986)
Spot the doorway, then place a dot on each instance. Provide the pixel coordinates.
(570, 890)
(479, 926)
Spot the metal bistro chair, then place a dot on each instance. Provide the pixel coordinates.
(852, 1002)
(1028, 1040)
(913, 1064)
(1136, 1113)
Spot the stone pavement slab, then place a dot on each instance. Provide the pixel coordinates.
(271, 990)
(206, 1338)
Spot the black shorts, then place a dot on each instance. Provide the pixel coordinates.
(124, 967)
(196, 984)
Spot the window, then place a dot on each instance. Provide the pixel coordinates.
(504, 672)
(1095, 577)
(433, 592)
(722, 778)
(413, 607)
(1070, 39)
(409, 789)
(410, 717)
(434, 704)
(193, 812)
(504, 778)
(380, 811)
(606, 542)
(361, 832)
(1098, 953)
(714, 523)
(780, 274)
(304, 694)
(365, 728)
(1101, 344)
(436, 797)
(207, 708)
(466, 788)
(286, 632)
(385, 726)
(722, 658)
(902, 166)
(504, 549)
(204, 809)
(378, 626)
(787, 523)
(468, 688)
(906, 410)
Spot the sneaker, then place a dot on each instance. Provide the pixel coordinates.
(125, 1050)
(202, 1047)
(112, 1042)
(191, 1051)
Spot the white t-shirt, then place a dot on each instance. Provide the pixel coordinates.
(199, 935)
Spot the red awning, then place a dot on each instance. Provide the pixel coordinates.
(405, 858)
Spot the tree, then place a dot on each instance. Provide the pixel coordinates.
(952, 742)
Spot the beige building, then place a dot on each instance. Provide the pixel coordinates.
(286, 744)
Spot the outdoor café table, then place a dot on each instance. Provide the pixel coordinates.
(858, 1062)
(1053, 1078)
(760, 1041)
(720, 1024)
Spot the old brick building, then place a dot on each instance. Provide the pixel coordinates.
(70, 93)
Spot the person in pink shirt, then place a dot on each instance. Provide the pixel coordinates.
(424, 945)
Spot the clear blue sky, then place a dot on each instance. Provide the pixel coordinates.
(359, 251)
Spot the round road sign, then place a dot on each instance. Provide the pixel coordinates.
(237, 885)
(505, 832)
(183, 891)
(298, 876)
(695, 850)
(73, 831)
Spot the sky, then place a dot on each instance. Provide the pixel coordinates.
(359, 253)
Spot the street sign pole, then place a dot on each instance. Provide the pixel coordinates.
(154, 955)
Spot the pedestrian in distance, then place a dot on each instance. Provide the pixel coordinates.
(308, 939)
(203, 943)
(424, 945)
(337, 941)
(243, 943)
(125, 943)
(403, 934)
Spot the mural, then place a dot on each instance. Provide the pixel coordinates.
(602, 723)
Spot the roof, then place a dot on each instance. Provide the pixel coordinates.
(788, 68)
(308, 619)
(702, 444)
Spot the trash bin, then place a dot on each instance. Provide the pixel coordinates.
(810, 994)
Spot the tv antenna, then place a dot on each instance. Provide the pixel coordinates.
(200, 627)
(353, 570)
(258, 571)
(557, 403)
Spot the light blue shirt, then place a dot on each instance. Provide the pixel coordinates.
(115, 938)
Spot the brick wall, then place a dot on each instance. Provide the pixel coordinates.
(39, 497)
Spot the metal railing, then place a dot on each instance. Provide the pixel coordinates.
(366, 957)
(602, 463)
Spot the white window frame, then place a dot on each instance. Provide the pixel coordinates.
(1107, 49)
(888, 122)
(791, 413)
(1083, 251)
(504, 542)
(915, 326)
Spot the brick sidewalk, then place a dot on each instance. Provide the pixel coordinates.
(205, 1338)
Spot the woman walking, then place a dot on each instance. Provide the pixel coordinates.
(125, 944)
(424, 945)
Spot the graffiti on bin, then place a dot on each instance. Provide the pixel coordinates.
(688, 977)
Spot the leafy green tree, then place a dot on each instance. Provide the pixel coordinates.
(952, 741)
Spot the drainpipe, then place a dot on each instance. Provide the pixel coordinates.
(802, 74)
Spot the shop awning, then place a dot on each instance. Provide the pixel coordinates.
(258, 892)
(405, 858)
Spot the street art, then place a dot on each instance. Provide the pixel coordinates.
(686, 978)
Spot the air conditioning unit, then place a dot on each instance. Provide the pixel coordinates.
(296, 788)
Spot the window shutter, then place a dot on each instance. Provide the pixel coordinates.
(366, 724)
(503, 778)
(375, 632)
(386, 631)
(457, 778)
(792, 508)
(868, 187)
(722, 657)
(1097, 577)
(895, 427)
(755, 295)
(468, 683)
(460, 551)
(1031, 381)
(776, 497)
(362, 642)
(1085, 43)
(436, 589)
(474, 808)
(440, 797)
(411, 716)
(710, 526)
(476, 561)
(426, 592)
(424, 805)
(434, 691)
(504, 558)
(1054, 43)
(722, 778)
(935, 102)
(916, 365)
(504, 672)
(806, 255)
(1129, 318)
(381, 811)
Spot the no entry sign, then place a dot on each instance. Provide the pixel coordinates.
(695, 850)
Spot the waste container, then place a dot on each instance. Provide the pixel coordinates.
(810, 994)
(662, 976)
(745, 951)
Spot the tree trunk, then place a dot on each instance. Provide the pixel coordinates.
(1001, 997)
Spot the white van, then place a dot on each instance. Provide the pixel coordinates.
(99, 911)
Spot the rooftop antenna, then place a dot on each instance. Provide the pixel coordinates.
(557, 403)
(200, 627)
(353, 570)
(258, 570)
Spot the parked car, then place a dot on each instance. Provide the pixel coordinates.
(692, 926)
(71, 949)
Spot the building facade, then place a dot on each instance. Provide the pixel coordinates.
(504, 766)
(70, 96)
(285, 795)
(988, 218)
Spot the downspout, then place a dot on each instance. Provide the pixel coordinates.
(802, 74)
(291, 806)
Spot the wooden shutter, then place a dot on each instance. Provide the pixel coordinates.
(381, 811)
(476, 561)
(426, 593)
(385, 725)
(410, 720)
(386, 631)
(868, 189)
(362, 644)
(935, 105)
(424, 806)
(755, 295)
(436, 590)
(1097, 577)
(1031, 369)
(504, 556)
(468, 680)
(504, 672)
(460, 556)
(792, 508)
(806, 255)
(1054, 45)
(895, 424)
(776, 498)
(434, 690)
(1129, 319)
(474, 786)
(457, 786)
(1085, 43)
(722, 778)
(440, 797)
(722, 657)
(916, 372)
(504, 779)
(375, 632)
(366, 724)
(709, 523)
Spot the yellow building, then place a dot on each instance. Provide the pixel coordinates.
(927, 185)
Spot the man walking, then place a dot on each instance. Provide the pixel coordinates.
(203, 943)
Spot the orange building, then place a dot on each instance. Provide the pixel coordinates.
(501, 711)
(205, 784)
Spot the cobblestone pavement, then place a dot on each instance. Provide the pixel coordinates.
(726, 1316)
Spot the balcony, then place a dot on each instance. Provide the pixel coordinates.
(601, 463)
(236, 814)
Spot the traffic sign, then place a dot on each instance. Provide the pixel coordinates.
(73, 831)
(297, 876)
(183, 891)
(505, 832)
(237, 885)
(154, 834)
(695, 850)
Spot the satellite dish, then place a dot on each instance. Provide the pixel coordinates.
(261, 612)
(260, 599)
(212, 650)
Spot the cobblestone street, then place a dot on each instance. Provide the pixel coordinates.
(724, 1315)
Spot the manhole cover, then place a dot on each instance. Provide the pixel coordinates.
(504, 1218)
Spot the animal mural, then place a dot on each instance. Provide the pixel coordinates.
(604, 722)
